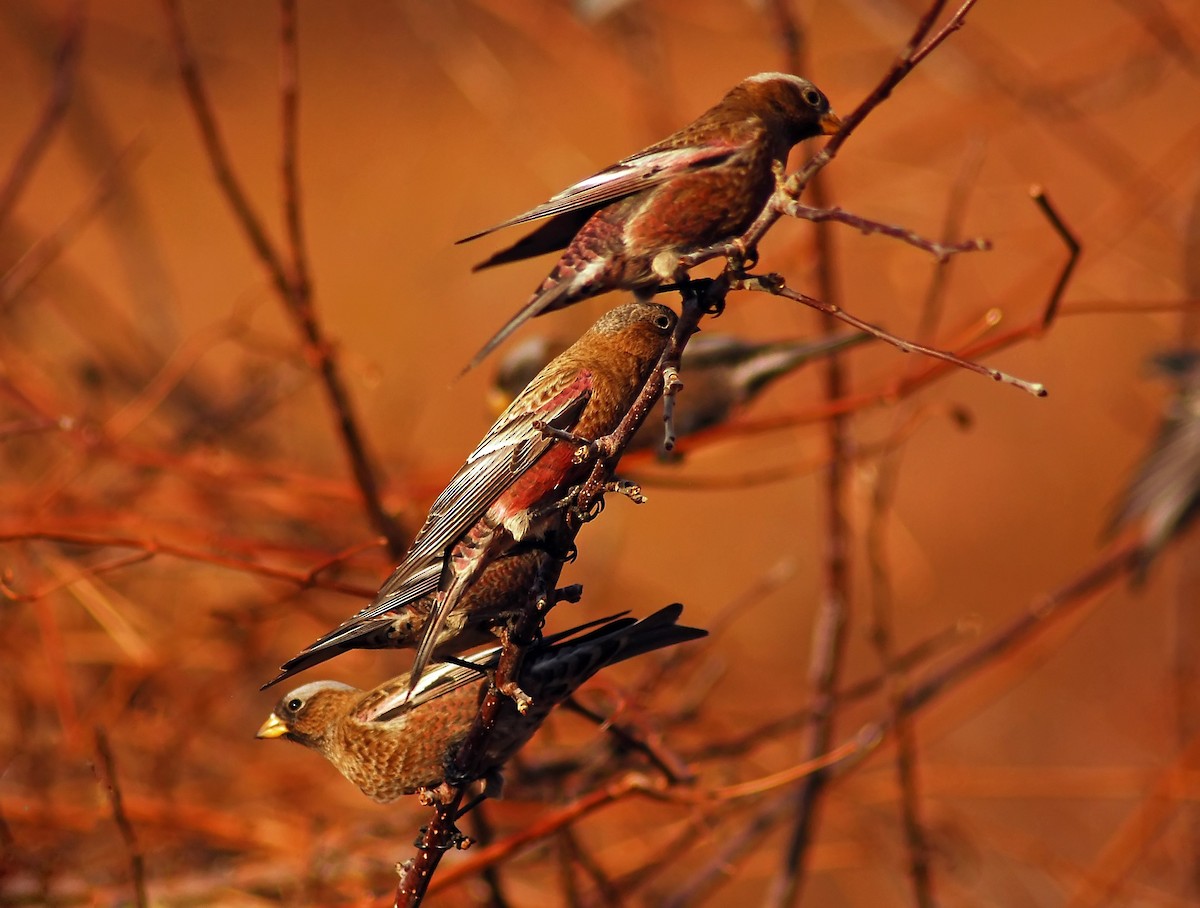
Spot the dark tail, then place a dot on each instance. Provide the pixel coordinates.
(369, 634)
(544, 300)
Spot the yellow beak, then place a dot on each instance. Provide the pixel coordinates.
(274, 727)
(830, 123)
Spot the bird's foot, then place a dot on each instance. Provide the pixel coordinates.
(603, 447)
(438, 796)
(740, 256)
(451, 839)
(511, 690)
(581, 517)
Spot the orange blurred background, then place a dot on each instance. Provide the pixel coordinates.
(196, 422)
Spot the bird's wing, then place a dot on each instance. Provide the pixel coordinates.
(510, 448)
(1167, 484)
(645, 169)
(392, 700)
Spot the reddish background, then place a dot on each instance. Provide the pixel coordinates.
(424, 121)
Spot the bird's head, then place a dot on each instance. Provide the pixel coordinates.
(788, 104)
(308, 714)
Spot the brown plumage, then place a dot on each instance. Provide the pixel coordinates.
(705, 184)
(390, 744)
(721, 375)
(506, 587)
(514, 485)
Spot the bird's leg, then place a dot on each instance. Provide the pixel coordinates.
(509, 668)
(451, 839)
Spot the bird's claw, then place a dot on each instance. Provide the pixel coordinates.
(511, 690)
(740, 256)
(603, 447)
(591, 513)
(452, 839)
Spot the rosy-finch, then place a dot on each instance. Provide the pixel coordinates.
(1164, 493)
(389, 743)
(515, 484)
(721, 374)
(504, 589)
(628, 225)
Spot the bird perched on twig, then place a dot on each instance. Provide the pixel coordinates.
(628, 225)
(1165, 489)
(389, 744)
(506, 587)
(721, 374)
(515, 485)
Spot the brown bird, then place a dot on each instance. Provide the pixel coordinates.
(628, 225)
(515, 484)
(721, 374)
(506, 588)
(390, 744)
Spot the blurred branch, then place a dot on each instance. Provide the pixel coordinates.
(107, 771)
(1118, 858)
(43, 253)
(886, 483)
(1053, 606)
(150, 547)
(833, 607)
(65, 65)
(290, 279)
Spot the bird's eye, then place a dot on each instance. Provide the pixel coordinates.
(662, 322)
(812, 97)
(294, 704)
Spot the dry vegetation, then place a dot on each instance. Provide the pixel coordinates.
(227, 396)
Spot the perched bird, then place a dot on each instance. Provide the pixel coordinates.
(513, 488)
(389, 744)
(1165, 489)
(626, 226)
(505, 589)
(721, 373)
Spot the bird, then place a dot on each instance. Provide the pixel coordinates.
(721, 374)
(628, 225)
(515, 485)
(391, 744)
(505, 589)
(1163, 493)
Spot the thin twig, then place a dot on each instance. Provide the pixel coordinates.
(290, 280)
(941, 249)
(303, 579)
(887, 476)
(775, 285)
(1073, 250)
(108, 778)
(46, 250)
(66, 61)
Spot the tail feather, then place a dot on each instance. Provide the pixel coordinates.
(544, 300)
(374, 633)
